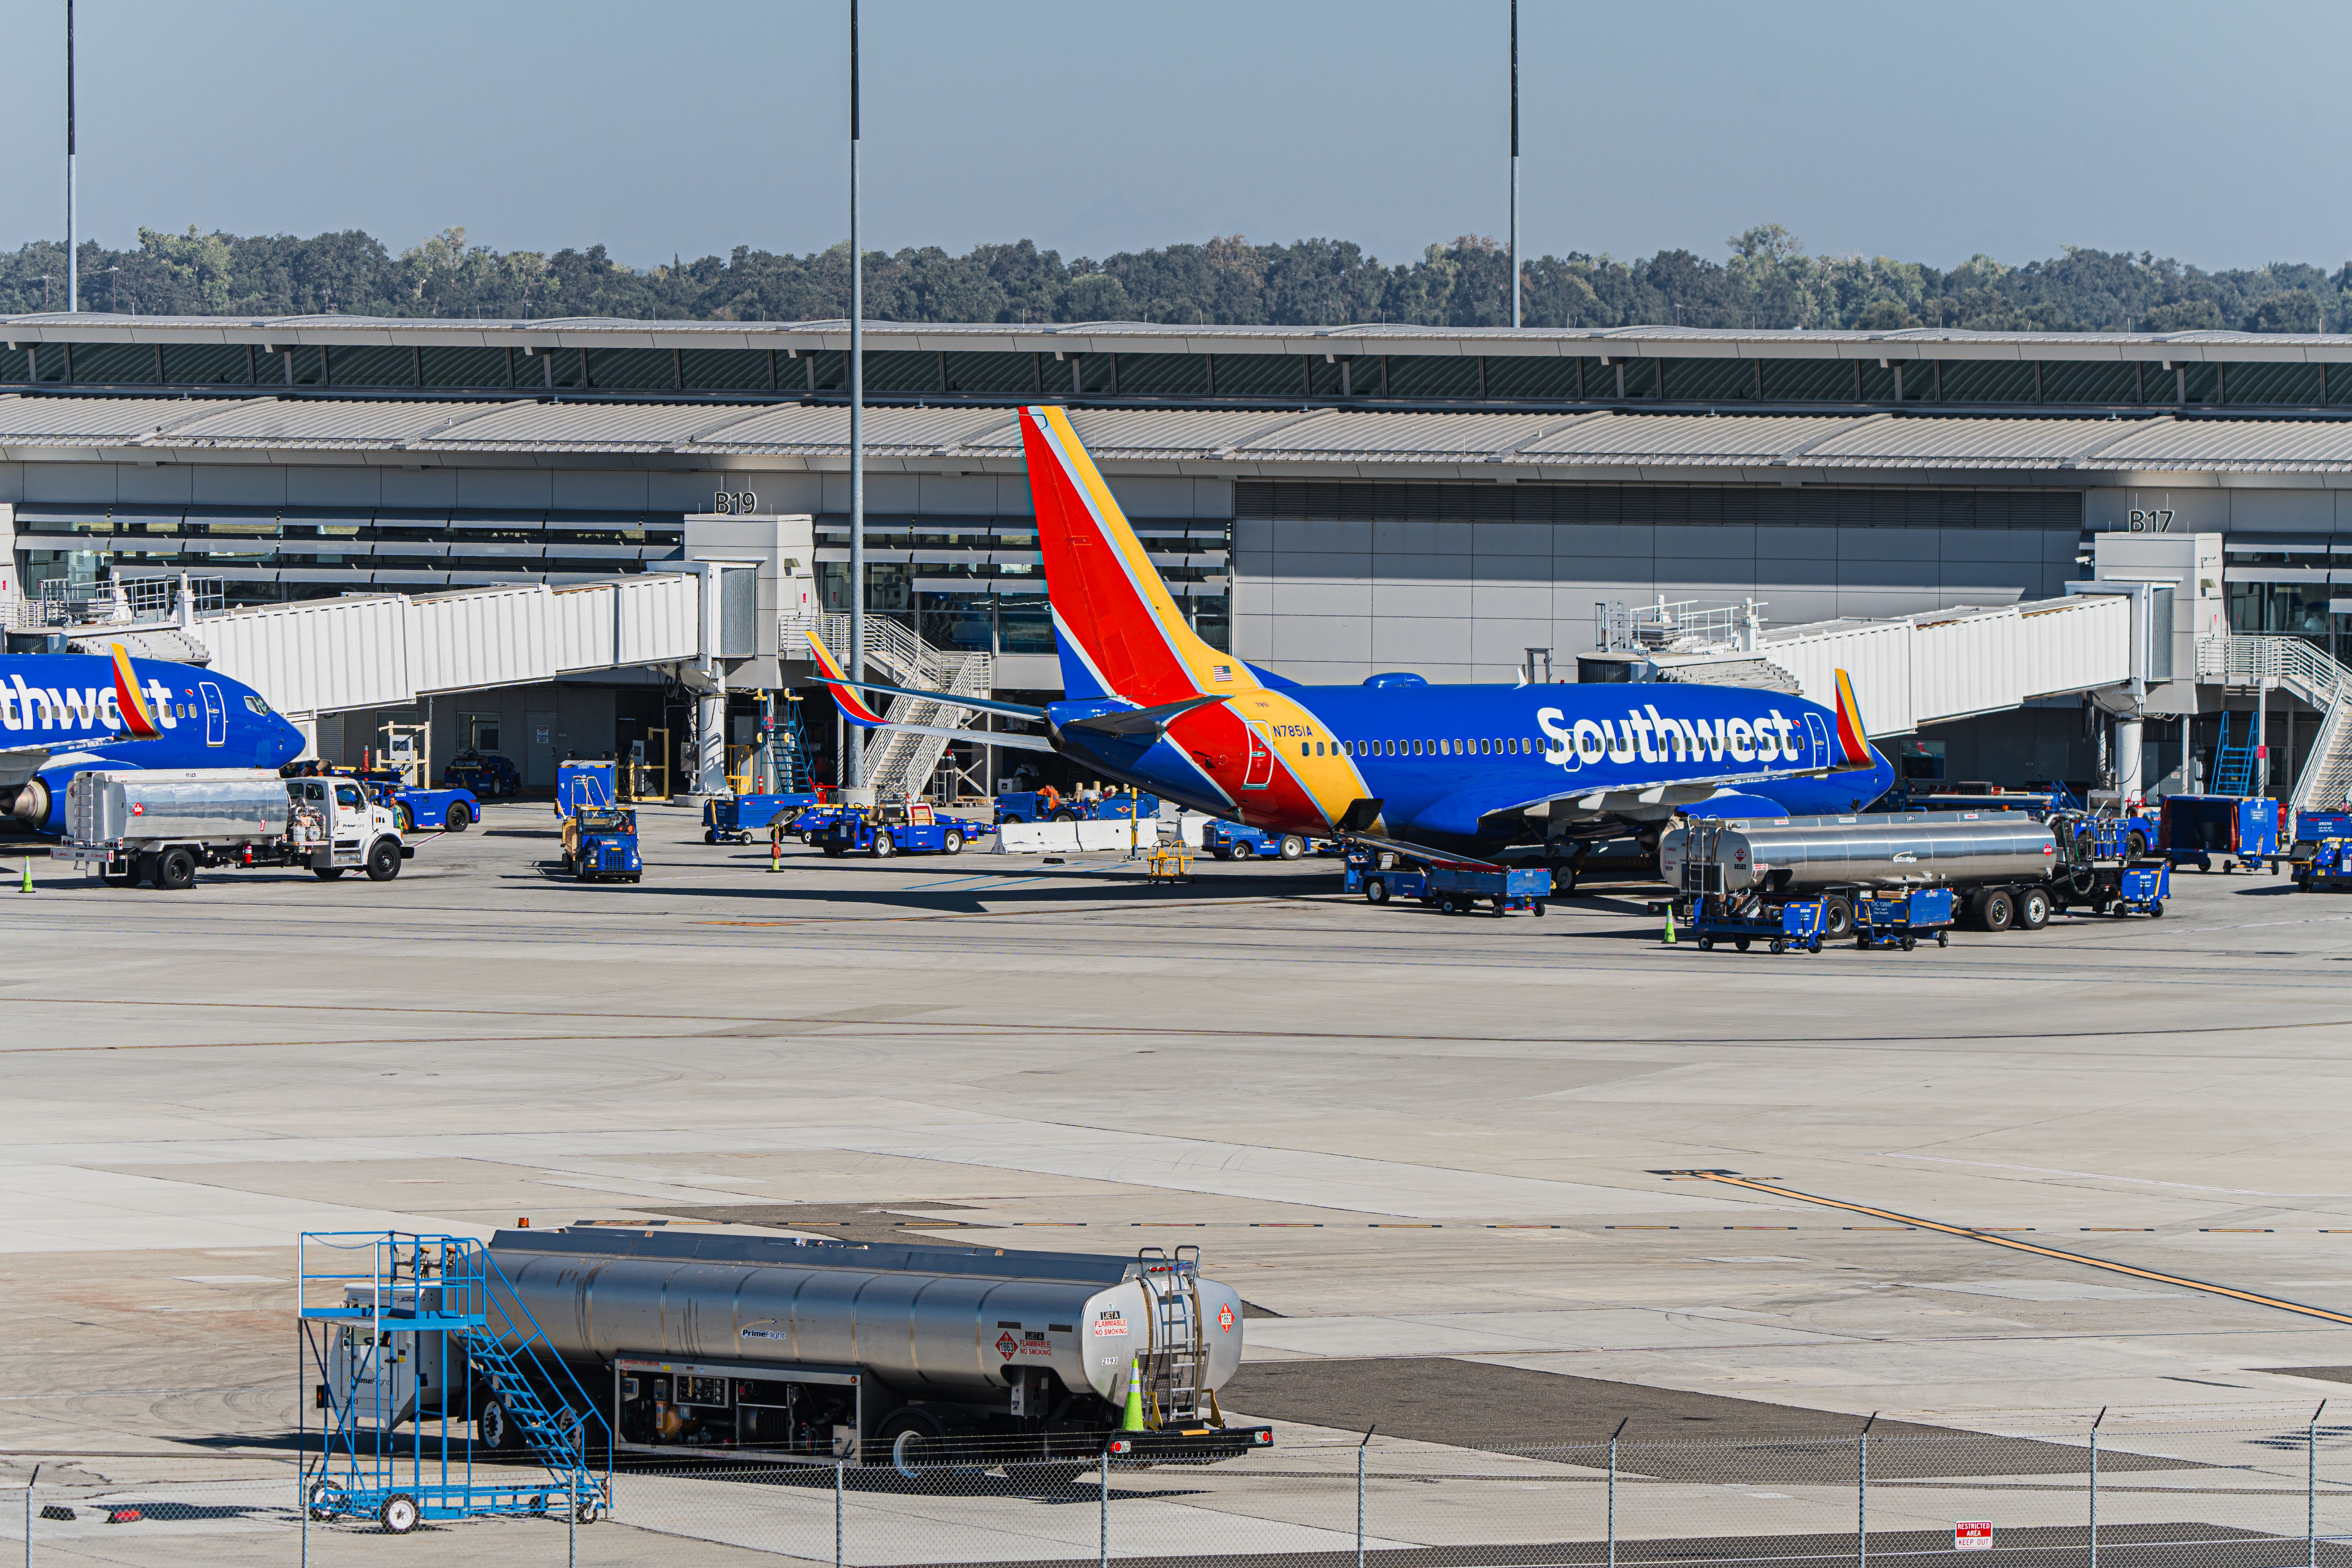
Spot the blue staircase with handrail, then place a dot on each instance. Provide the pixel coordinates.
(380, 1286)
(2233, 766)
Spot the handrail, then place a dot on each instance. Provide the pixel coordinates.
(2293, 663)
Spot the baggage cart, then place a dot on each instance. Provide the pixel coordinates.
(1904, 919)
(1796, 924)
(734, 818)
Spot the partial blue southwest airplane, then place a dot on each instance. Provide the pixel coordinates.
(1481, 773)
(63, 713)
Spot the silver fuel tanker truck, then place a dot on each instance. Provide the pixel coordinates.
(916, 1357)
(1999, 863)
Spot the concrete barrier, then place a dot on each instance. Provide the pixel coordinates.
(1074, 837)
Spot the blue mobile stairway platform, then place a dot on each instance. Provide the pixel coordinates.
(441, 1305)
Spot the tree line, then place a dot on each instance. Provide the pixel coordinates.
(1767, 280)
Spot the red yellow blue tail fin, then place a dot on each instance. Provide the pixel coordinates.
(138, 719)
(1112, 614)
(1854, 740)
(853, 706)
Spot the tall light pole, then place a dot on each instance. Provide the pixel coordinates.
(73, 279)
(853, 749)
(1514, 163)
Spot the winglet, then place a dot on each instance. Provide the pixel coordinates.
(853, 707)
(1852, 740)
(138, 719)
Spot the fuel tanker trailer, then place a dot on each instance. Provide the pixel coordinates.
(921, 1357)
(2000, 862)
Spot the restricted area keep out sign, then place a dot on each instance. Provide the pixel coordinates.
(1972, 1535)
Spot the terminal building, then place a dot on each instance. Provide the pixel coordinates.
(1328, 502)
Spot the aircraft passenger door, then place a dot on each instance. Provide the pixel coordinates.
(1260, 771)
(216, 715)
(1819, 733)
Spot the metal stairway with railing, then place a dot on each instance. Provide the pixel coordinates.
(902, 762)
(396, 1290)
(2302, 670)
(2233, 766)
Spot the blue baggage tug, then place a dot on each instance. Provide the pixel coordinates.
(1234, 841)
(605, 845)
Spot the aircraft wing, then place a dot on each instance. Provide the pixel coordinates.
(19, 764)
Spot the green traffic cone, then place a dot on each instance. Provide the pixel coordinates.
(1669, 923)
(1133, 1420)
(26, 885)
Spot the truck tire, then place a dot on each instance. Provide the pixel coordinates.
(914, 1446)
(1995, 910)
(2032, 909)
(1064, 816)
(494, 1429)
(952, 842)
(882, 845)
(2135, 845)
(326, 873)
(382, 861)
(458, 818)
(1293, 847)
(1376, 890)
(1837, 917)
(175, 869)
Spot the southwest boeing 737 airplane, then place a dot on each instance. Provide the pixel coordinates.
(1488, 774)
(64, 714)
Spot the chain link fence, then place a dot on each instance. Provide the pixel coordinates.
(2122, 1495)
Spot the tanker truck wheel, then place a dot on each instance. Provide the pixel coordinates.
(1837, 918)
(494, 1429)
(1996, 910)
(176, 870)
(913, 1442)
(2032, 909)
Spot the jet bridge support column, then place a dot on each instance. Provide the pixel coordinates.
(2131, 784)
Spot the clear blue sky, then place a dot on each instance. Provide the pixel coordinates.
(1928, 132)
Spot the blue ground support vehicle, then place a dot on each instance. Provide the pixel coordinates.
(487, 773)
(1452, 889)
(734, 818)
(450, 810)
(1049, 804)
(1794, 924)
(812, 819)
(2313, 828)
(2236, 829)
(1234, 841)
(582, 785)
(2329, 868)
(1903, 918)
(601, 845)
(2141, 890)
(890, 828)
